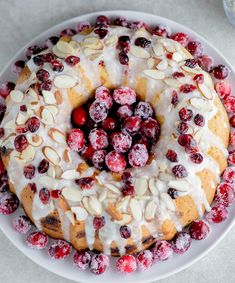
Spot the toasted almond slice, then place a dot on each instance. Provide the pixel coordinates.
(57, 136)
(179, 185)
(71, 194)
(177, 57)
(170, 47)
(49, 97)
(47, 117)
(21, 119)
(64, 81)
(112, 188)
(58, 171)
(172, 82)
(47, 182)
(51, 155)
(136, 209)
(64, 47)
(88, 51)
(58, 97)
(86, 204)
(141, 186)
(205, 91)
(75, 45)
(67, 156)
(9, 140)
(52, 108)
(158, 49)
(70, 174)
(168, 201)
(191, 70)
(32, 95)
(150, 210)
(95, 56)
(139, 52)
(122, 205)
(114, 212)
(111, 41)
(126, 219)
(28, 154)
(16, 96)
(80, 213)
(103, 195)
(58, 53)
(92, 43)
(11, 125)
(162, 66)
(34, 140)
(34, 105)
(70, 216)
(163, 176)
(51, 171)
(95, 204)
(151, 63)
(154, 74)
(153, 187)
(201, 104)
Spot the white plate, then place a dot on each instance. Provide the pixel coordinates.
(161, 270)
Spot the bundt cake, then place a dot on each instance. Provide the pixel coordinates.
(114, 138)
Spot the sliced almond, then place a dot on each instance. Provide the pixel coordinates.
(92, 43)
(201, 104)
(28, 154)
(10, 125)
(16, 96)
(139, 52)
(63, 204)
(153, 187)
(58, 53)
(126, 219)
(80, 213)
(177, 57)
(170, 47)
(95, 204)
(52, 108)
(75, 45)
(163, 176)
(57, 136)
(103, 195)
(64, 47)
(122, 205)
(113, 188)
(49, 97)
(158, 49)
(162, 66)
(86, 204)
(9, 141)
(67, 156)
(172, 82)
(70, 216)
(64, 81)
(154, 74)
(141, 186)
(58, 97)
(150, 210)
(35, 140)
(179, 185)
(111, 41)
(168, 201)
(136, 209)
(47, 181)
(205, 91)
(51, 171)
(34, 105)
(47, 117)
(70, 174)
(51, 155)
(71, 194)
(151, 63)
(21, 119)
(32, 95)
(58, 171)
(114, 212)
(88, 51)
(191, 70)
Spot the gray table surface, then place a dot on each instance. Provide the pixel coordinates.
(21, 20)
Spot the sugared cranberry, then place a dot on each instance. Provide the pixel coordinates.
(182, 127)
(45, 85)
(33, 124)
(173, 193)
(144, 260)
(32, 50)
(18, 66)
(72, 60)
(171, 155)
(199, 78)
(67, 32)
(231, 157)
(150, 129)
(86, 183)
(161, 30)
(179, 171)
(131, 125)
(229, 175)
(22, 224)
(82, 259)
(120, 21)
(51, 41)
(223, 89)
(98, 222)
(220, 72)
(37, 240)
(199, 120)
(44, 195)
(98, 139)
(102, 20)
(103, 94)
(224, 195)
(121, 142)
(55, 194)
(124, 43)
(8, 203)
(20, 143)
(206, 62)
(181, 243)
(162, 251)
(82, 26)
(232, 138)
(187, 88)
(6, 88)
(38, 60)
(174, 98)
(137, 25)
(128, 189)
(60, 249)
(176, 75)
(126, 264)
(29, 171)
(76, 140)
(196, 158)
(125, 231)
(144, 110)
(99, 263)
(124, 111)
(123, 58)
(79, 116)
(98, 111)
(142, 42)
(138, 156)
(199, 230)
(185, 114)
(42, 75)
(217, 214)
(57, 66)
(2, 132)
(115, 161)
(109, 124)
(191, 63)
(229, 104)
(195, 48)
(124, 95)
(98, 158)
(181, 37)
(43, 166)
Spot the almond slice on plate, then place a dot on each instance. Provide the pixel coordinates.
(172, 82)
(163, 176)
(191, 70)
(150, 210)
(154, 74)
(71, 194)
(158, 49)
(205, 91)
(162, 66)
(51, 155)
(20, 119)
(201, 104)
(122, 205)
(58, 53)
(47, 117)
(57, 135)
(179, 185)
(103, 195)
(136, 209)
(177, 57)
(17, 96)
(95, 204)
(64, 47)
(49, 97)
(139, 52)
(112, 210)
(93, 43)
(111, 41)
(64, 81)
(141, 186)
(86, 204)
(28, 154)
(153, 187)
(51, 171)
(112, 188)
(67, 156)
(52, 108)
(168, 201)
(32, 95)
(34, 140)
(10, 125)
(9, 141)
(70, 174)
(126, 219)
(80, 213)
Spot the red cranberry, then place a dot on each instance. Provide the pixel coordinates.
(3, 109)
(102, 32)
(98, 111)
(23, 108)
(67, 32)
(102, 20)
(99, 263)
(124, 43)
(176, 75)
(184, 139)
(37, 240)
(38, 60)
(175, 98)
(196, 158)
(29, 171)
(86, 183)
(182, 127)
(82, 259)
(186, 88)
(22, 130)
(229, 175)
(6, 88)
(43, 166)
(220, 72)
(195, 48)
(173, 193)
(98, 139)
(44, 195)
(126, 264)
(57, 66)
(18, 66)
(109, 124)
(32, 187)
(2, 132)
(32, 50)
(8, 203)
(76, 140)
(48, 57)
(82, 26)
(42, 75)
(144, 110)
(22, 224)
(199, 120)
(185, 114)
(20, 143)
(98, 158)
(51, 41)
(33, 124)
(121, 142)
(229, 104)
(79, 116)
(199, 78)
(142, 42)
(161, 30)
(162, 251)
(115, 161)
(72, 60)
(231, 157)
(2, 168)
(131, 125)
(223, 89)
(60, 249)
(125, 231)
(45, 85)
(55, 194)
(87, 152)
(224, 195)
(144, 260)
(127, 177)
(137, 25)
(217, 214)
(124, 95)
(199, 230)
(206, 62)
(128, 189)
(98, 222)
(123, 58)
(191, 63)
(138, 156)
(150, 129)
(179, 171)
(232, 138)
(103, 94)
(120, 21)
(181, 37)
(171, 155)
(124, 111)
(181, 243)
